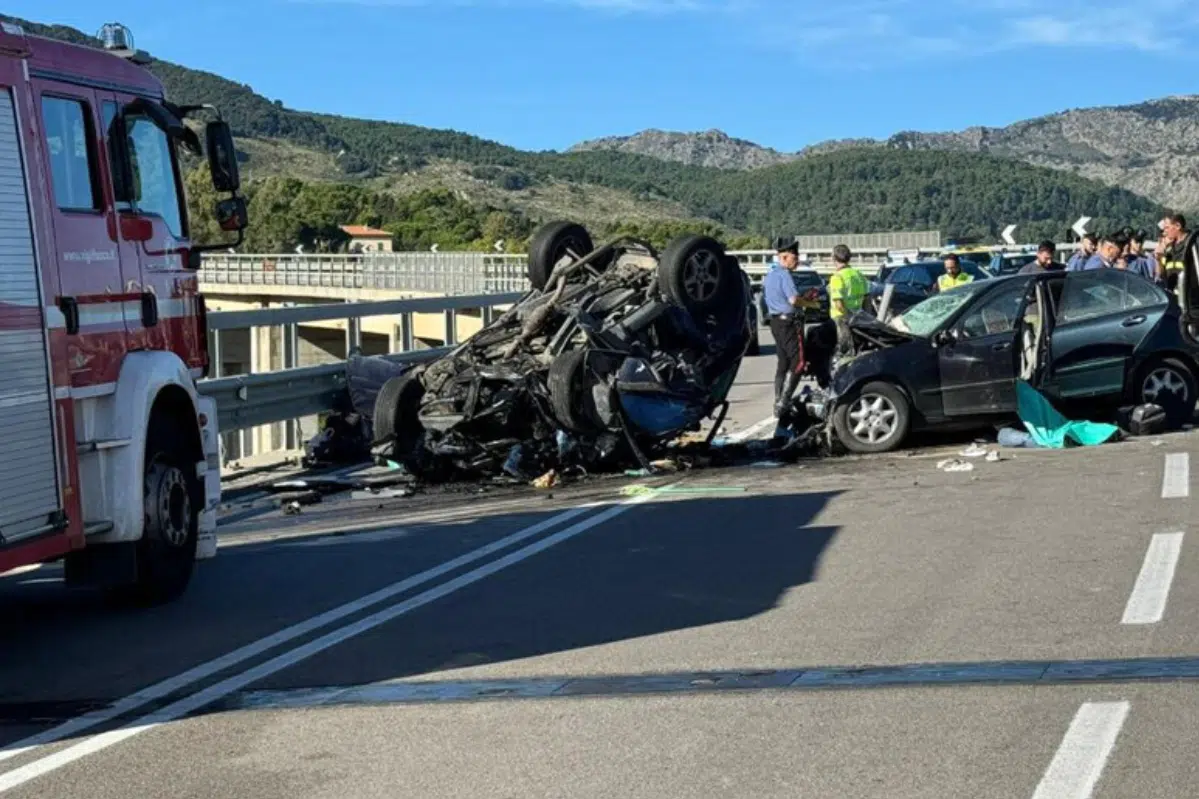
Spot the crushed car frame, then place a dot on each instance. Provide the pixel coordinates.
(615, 351)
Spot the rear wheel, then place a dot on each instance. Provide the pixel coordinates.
(172, 500)
(397, 411)
(1168, 382)
(874, 418)
(551, 244)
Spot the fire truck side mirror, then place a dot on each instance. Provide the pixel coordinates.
(231, 214)
(222, 157)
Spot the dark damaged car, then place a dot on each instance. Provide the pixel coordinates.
(614, 352)
(1090, 341)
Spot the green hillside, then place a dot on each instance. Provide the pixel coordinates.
(466, 188)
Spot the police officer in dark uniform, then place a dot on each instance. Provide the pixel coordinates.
(783, 306)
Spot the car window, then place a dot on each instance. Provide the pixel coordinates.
(1095, 292)
(807, 280)
(996, 314)
(925, 317)
(155, 190)
(915, 274)
(1142, 293)
(72, 167)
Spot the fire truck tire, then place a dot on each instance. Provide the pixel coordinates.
(166, 553)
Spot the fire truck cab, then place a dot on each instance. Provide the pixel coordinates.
(108, 454)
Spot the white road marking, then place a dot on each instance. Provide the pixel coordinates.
(1176, 482)
(1079, 762)
(1147, 604)
(182, 707)
(752, 430)
(168, 686)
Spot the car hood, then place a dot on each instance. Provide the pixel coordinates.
(869, 333)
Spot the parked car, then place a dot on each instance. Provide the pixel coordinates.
(807, 281)
(1089, 341)
(1009, 263)
(755, 340)
(916, 282)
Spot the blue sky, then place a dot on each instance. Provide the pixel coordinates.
(544, 74)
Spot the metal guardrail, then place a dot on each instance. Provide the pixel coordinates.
(252, 400)
(245, 401)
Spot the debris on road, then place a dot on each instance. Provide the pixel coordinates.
(547, 480)
(955, 465)
(615, 352)
(975, 450)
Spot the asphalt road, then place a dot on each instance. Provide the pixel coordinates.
(854, 627)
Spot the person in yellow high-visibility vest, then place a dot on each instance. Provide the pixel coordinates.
(954, 276)
(847, 290)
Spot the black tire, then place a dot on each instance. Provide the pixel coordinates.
(567, 383)
(397, 413)
(550, 244)
(888, 393)
(1180, 409)
(695, 274)
(172, 499)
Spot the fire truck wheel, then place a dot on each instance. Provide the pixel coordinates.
(166, 553)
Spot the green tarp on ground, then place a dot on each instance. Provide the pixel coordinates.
(1049, 428)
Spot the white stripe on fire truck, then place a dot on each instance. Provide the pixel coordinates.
(114, 313)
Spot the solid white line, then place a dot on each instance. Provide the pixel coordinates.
(168, 686)
(1147, 604)
(1176, 481)
(1084, 751)
(188, 704)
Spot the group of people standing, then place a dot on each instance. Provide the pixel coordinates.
(1125, 249)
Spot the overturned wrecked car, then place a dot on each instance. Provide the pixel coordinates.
(614, 351)
(1090, 341)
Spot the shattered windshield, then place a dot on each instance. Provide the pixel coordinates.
(926, 316)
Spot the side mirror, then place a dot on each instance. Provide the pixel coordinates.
(231, 214)
(136, 228)
(222, 157)
(945, 337)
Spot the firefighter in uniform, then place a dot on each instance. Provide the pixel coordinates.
(1170, 249)
(847, 289)
(784, 306)
(954, 276)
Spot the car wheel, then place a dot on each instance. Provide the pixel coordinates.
(567, 383)
(397, 410)
(550, 244)
(694, 274)
(1168, 382)
(874, 418)
(172, 500)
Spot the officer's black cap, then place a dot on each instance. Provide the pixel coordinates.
(786, 244)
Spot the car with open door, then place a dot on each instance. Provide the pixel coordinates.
(1089, 341)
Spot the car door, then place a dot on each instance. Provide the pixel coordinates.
(978, 365)
(1188, 287)
(90, 299)
(170, 317)
(1097, 328)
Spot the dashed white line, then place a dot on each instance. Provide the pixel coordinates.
(1079, 762)
(170, 685)
(236, 682)
(1147, 604)
(1176, 481)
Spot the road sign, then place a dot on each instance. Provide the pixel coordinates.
(499, 246)
(1080, 227)
(433, 248)
(1007, 234)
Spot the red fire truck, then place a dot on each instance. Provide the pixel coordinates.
(108, 455)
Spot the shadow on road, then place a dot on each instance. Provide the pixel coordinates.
(661, 567)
